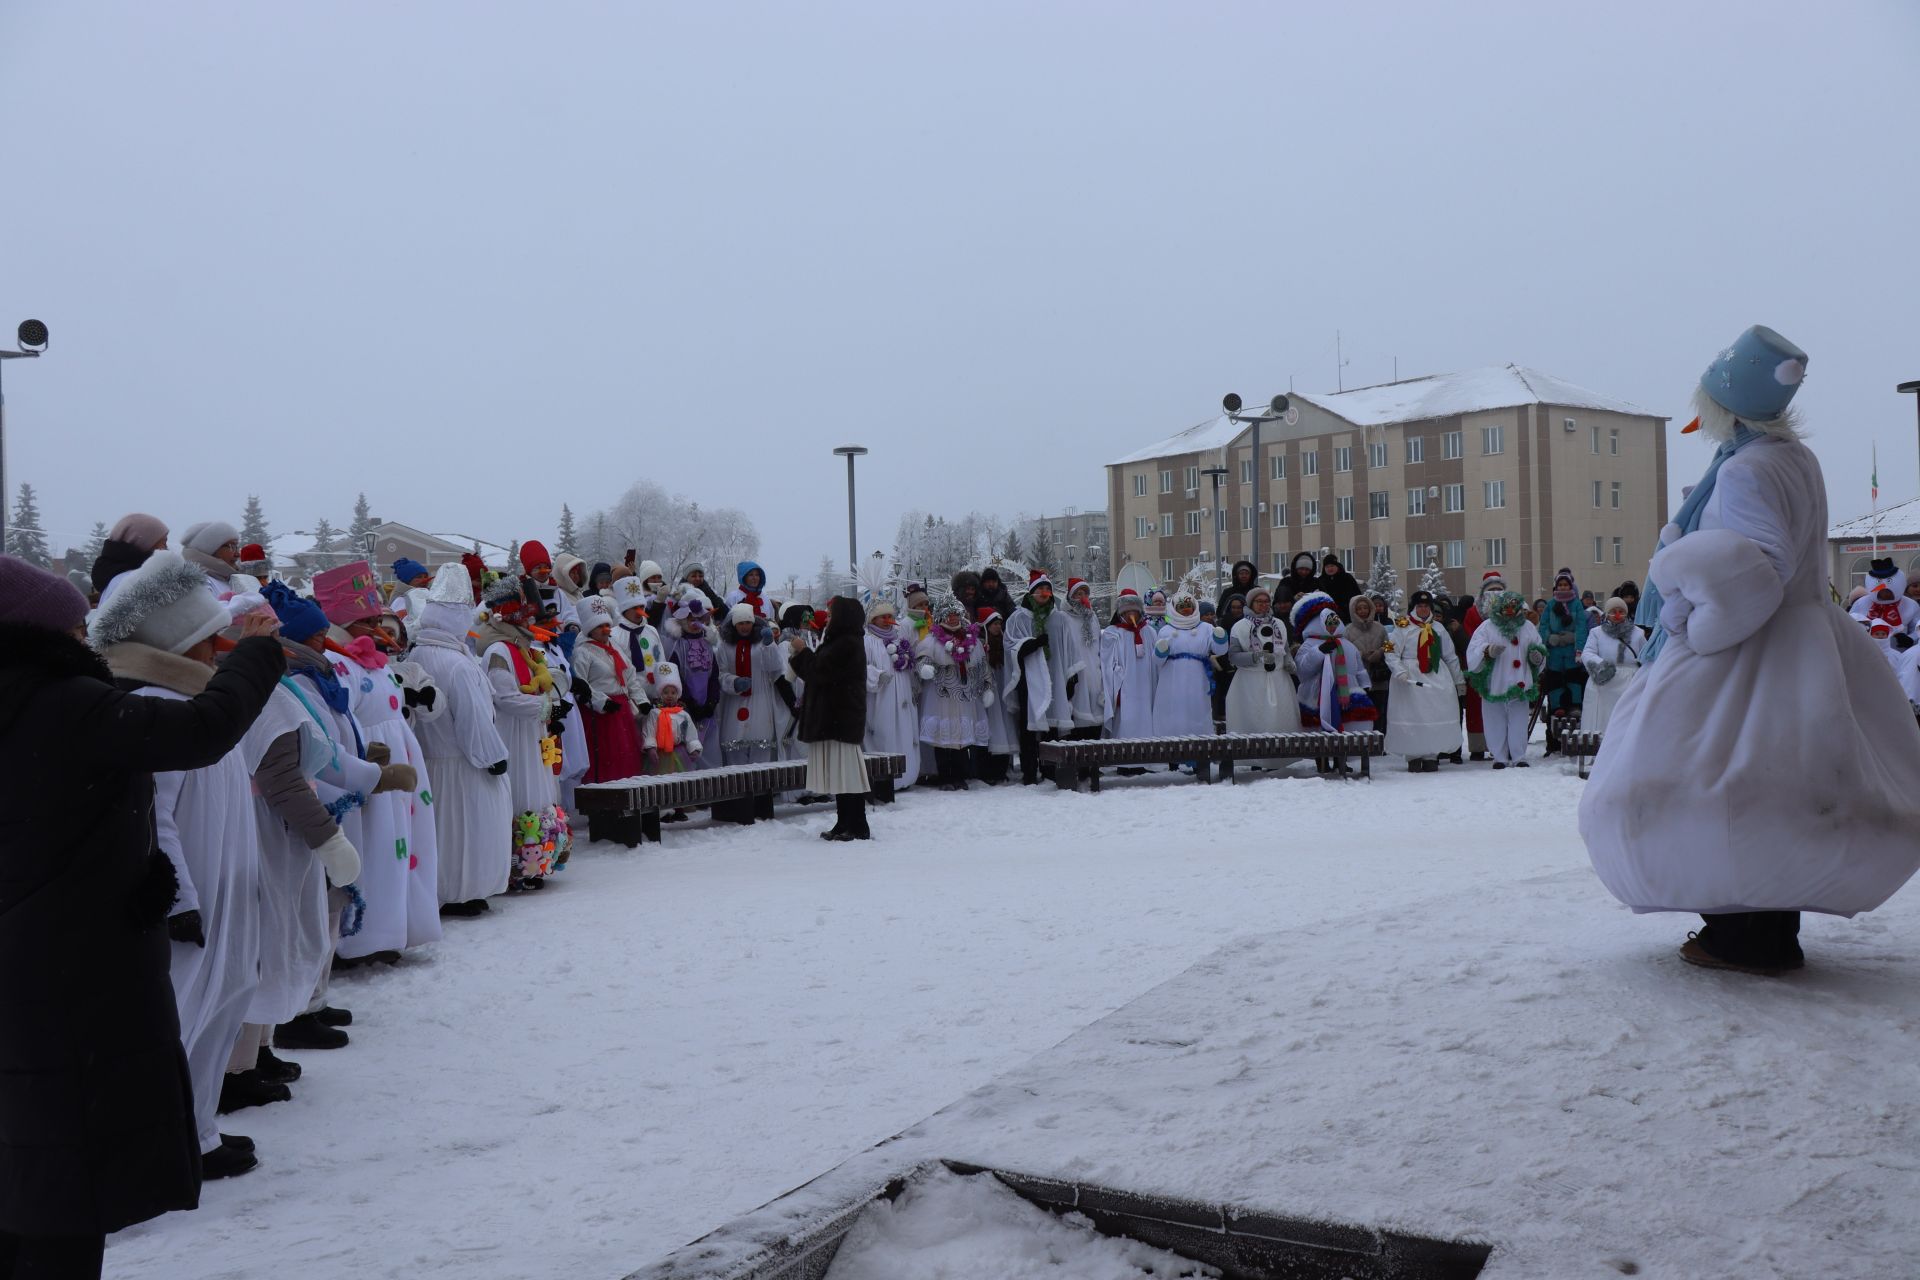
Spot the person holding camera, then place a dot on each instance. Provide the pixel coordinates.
(1262, 698)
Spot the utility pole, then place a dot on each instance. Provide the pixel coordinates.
(32, 335)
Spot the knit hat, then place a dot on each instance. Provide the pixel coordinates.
(692, 604)
(533, 555)
(299, 619)
(350, 593)
(881, 607)
(1129, 599)
(963, 579)
(648, 571)
(33, 597)
(164, 603)
(594, 611)
(504, 597)
(209, 536)
(742, 612)
(1492, 577)
(1309, 606)
(404, 570)
(451, 585)
(138, 529)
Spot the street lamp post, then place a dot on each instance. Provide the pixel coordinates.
(1218, 473)
(1278, 409)
(33, 344)
(1905, 389)
(850, 452)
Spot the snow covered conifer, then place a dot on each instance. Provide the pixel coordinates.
(25, 538)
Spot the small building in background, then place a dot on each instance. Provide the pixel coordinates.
(383, 544)
(1851, 545)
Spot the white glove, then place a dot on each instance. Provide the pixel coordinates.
(1495, 650)
(340, 858)
(987, 699)
(926, 671)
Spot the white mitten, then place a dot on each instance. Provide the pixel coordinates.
(926, 671)
(340, 858)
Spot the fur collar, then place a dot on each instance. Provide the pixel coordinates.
(54, 654)
(145, 664)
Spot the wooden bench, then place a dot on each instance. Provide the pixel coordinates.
(628, 811)
(1582, 746)
(1076, 761)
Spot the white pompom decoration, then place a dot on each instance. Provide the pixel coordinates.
(1789, 372)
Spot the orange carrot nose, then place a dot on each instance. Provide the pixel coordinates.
(1691, 427)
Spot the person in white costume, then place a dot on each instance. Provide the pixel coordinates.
(634, 635)
(1033, 678)
(953, 687)
(992, 758)
(529, 711)
(893, 717)
(1183, 687)
(1612, 659)
(1073, 633)
(466, 758)
(575, 758)
(749, 663)
(1332, 675)
(1764, 763)
(1262, 697)
(1886, 600)
(1504, 657)
(1128, 668)
(1427, 685)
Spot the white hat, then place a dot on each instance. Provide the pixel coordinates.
(648, 569)
(164, 603)
(627, 593)
(666, 674)
(209, 536)
(452, 584)
(742, 612)
(593, 611)
(881, 606)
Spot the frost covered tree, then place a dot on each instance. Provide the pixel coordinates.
(253, 526)
(673, 531)
(1011, 548)
(828, 580)
(96, 541)
(26, 540)
(1434, 581)
(326, 538)
(363, 521)
(1382, 581)
(566, 537)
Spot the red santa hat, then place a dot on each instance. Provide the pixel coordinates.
(1129, 599)
(1075, 584)
(253, 551)
(985, 614)
(533, 555)
(1038, 578)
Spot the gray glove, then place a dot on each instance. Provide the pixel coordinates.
(1606, 674)
(1560, 638)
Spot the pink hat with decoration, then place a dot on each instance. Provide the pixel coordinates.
(350, 593)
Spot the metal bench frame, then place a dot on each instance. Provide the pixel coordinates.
(1583, 746)
(1075, 761)
(629, 812)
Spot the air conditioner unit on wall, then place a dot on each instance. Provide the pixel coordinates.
(1569, 425)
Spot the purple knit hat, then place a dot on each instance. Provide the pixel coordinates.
(35, 598)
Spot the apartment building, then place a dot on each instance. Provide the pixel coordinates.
(1076, 542)
(1501, 467)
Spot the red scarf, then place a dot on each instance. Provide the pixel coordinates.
(619, 663)
(1890, 611)
(1138, 625)
(1425, 647)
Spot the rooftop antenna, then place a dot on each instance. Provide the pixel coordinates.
(1339, 364)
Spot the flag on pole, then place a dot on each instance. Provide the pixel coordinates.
(1876, 471)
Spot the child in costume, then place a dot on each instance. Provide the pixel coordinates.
(1504, 658)
(669, 737)
(693, 648)
(616, 696)
(633, 635)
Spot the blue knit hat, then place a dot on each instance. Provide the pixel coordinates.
(300, 619)
(1755, 378)
(405, 571)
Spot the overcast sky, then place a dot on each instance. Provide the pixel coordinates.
(482, 259)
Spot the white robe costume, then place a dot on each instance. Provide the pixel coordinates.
(893, 719)
(1425, 705)
(521, 719)
(1047, 706)
(1073, 643)
(1766, 759)
(999, 710)
(472, 808)
(752, 738)
(1600, 651)
(1128, 669)
(1319, 691)
(953, 713)
(574, 760)
(1184, 650)
(1262, 697)
(399, 872)
(1902, 614)
(204, 823)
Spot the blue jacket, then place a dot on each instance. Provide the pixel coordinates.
(1564, 657)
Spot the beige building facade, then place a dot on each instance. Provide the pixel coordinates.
(1503, 467)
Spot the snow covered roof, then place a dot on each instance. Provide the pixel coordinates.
(1901, 520)
(1445, 395)
(1215, 433)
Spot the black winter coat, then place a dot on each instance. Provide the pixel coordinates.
(96, 1111)
(1343, 587)
(116, 558)
(834, 705)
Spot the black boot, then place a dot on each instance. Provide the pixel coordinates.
(328, 1016)
(239, 1141)
(308, 1032)
(243, 1089)
(276, 1070)
(226, 1162)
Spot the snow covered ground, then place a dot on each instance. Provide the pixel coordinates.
(588, 1078)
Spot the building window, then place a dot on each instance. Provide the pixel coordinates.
(1166, 482)
(1142, 527)
(1346, 558)
(1454, 498)
(1379, 504)
(1385, 554)
(1496, 553)
(1140, 485)
(1309, 462)
(1416, 502)
(1166, 525)
(1279, 515)
(1595, 432)
(1279, 558)
(1619, 550)
(1377, 454)
(1278, 466)
(1596, 495)
(1193, 479)
(1599, 550)
(1193, 522)
(1616, 495)
(1456, 553)
(1493, 440)
(1246, 517)
(1220, 520)
(1195, 562)
(1310, 511)
(1416, 448)
(1495, 493)
(1416, 555)
(1246, 471)
(1613, 441)
(1450, 446)
(1342, 458)
(1343, 510)
(1166, 571)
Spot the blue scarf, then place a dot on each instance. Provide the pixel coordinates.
(1648, 614)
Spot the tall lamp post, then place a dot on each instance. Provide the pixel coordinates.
(1905, 389)
(33, 344)
(850, 452)
(1218, 474)
(1278, 410)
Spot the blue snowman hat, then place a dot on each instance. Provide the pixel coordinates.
(1755, 378)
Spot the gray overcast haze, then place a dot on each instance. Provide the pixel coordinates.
(479, 259)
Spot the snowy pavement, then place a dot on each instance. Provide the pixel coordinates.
(588, 1078)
